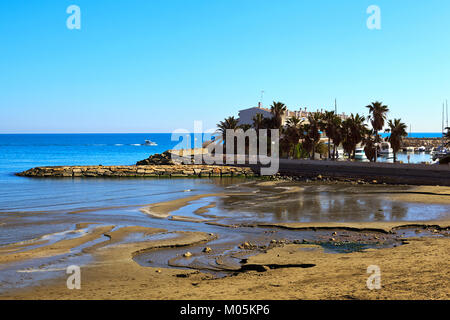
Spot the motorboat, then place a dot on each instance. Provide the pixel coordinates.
(360, 155)
(340, 153)
(150, 143)
(385, 150)
(421, 149)
(440, 153)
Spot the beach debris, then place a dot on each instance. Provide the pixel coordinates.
(158, 271)
(182, 275)
(187, 254)
(334, 233)
(319, 177)
(246, 245)
(207, 249)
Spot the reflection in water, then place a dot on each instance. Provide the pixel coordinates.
(328, 203)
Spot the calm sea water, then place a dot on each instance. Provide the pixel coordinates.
(24, 201)
(22, 151)
(419, 135)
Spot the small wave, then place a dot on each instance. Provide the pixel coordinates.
(41, 270)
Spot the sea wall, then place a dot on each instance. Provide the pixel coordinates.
(392, 173)
(139, 171)
(421, 142)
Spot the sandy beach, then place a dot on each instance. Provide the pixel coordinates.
(413, 257)
(418, 270)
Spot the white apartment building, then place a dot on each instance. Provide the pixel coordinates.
(246, 115)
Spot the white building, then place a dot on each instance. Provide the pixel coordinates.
(246, 116)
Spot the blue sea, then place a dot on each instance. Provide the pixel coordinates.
(19, 152)
(419, 135)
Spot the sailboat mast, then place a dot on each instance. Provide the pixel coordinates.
(446, 107)
(443, 106)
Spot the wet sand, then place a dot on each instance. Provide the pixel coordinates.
(13, 253)
(424, 194)
(413, 267)
(417, 270)
(163, 209)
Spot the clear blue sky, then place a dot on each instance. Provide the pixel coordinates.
(158, 65)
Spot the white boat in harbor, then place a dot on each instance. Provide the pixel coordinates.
(150, 143)
(440, 153)
(360, 155)
(340, 153)
(385, 150)
(421, 149)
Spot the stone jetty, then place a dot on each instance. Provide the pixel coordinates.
(421, 142)
(163, 171)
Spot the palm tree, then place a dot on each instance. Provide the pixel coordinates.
(291, 134)
(331, 125)
(228, 123)
(369, 141)
(377, 117)
(336, 133)
(258, 121)
(353, 131)
(278, 109)
(398, 132)
(308, 143)
(245, 127)
(313, 131)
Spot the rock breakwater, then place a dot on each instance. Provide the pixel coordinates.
(205, 171)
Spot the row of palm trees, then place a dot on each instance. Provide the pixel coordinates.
(300, 137)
